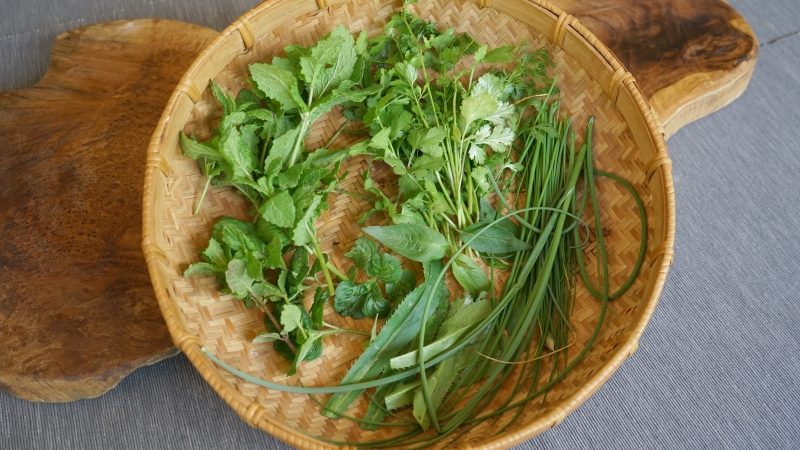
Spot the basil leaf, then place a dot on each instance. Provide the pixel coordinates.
(495, 239)
(402, 287)
(413, 241)
(237, 278)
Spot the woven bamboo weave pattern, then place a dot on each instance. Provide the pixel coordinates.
(627, 142)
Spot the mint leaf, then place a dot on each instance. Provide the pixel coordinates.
(237, 278)
(291, 318)
(197, 150)
(279, 210)
(362, 252)
(228, 105)
(280, 151)
(278, 84)
(330, 62)
(274, 257)
(304, 230)
(201, 269)
(385, 267)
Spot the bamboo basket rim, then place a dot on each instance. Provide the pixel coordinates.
(250, 411)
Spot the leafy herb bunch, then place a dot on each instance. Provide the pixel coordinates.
(259, 150)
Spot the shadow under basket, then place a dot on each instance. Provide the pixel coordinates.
(627, 141)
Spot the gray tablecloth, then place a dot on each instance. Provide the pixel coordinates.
(719, 365)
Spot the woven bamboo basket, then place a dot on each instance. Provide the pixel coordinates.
(628, 141)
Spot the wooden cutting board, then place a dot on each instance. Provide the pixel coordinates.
(77, 312)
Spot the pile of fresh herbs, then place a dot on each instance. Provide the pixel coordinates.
(487, 179)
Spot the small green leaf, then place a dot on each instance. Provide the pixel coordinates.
(402, 287)
(495, 239)
(280, 151)
(303, 231)
(362, 252)
(201, 269)
(265, 289)
(413, 241)
(237, 278)
(274, 257)
(266, 337)
(374, 304)
(214, 253)
(349, 299)
(385, 267)
(278, 84)
(228, 105)
(279, 210)
(197, 150)
(469, 274)
(500, 55)
(317, 308)
(291, 318)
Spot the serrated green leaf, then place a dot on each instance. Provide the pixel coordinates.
(362, 252)
(385, 267)
(402, 287)
(279, 152)
(331, 61)
(237, 278)
(228, 105)
(291, 318)
(279, 210)
(201, 269)
(304, 230)
(278, 84)
(214, 253)
(266, 337)
(197, 150)
(413, 241)
(398, 331)
(274, 256)
(477, 108)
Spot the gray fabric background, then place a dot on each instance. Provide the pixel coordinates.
(719, 365)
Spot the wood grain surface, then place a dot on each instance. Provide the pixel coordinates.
(690, 57)
(77, 312)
